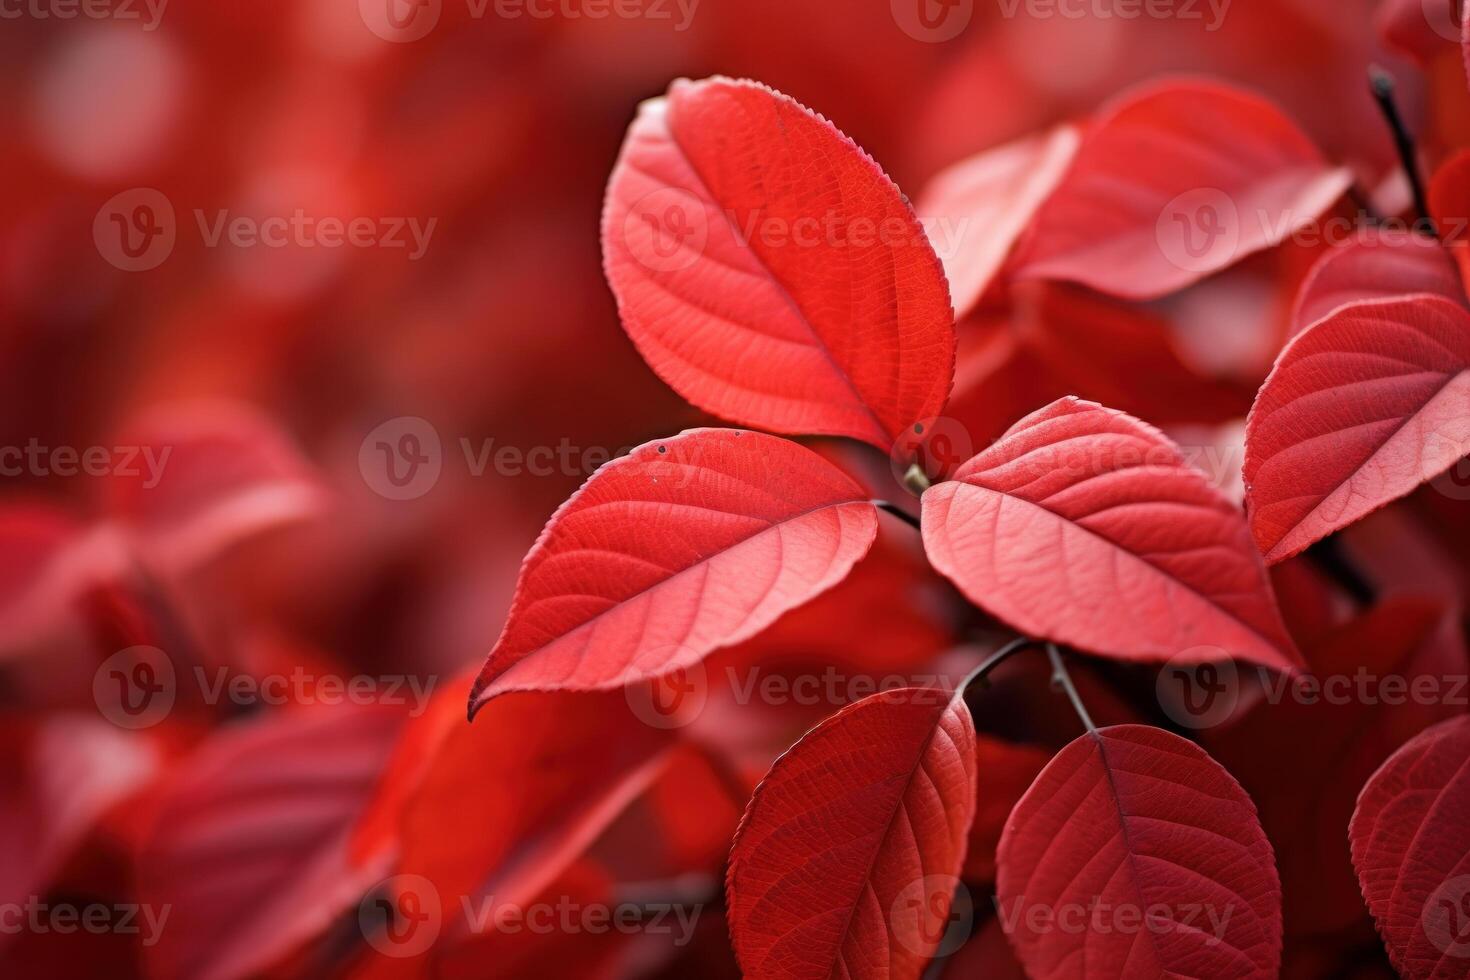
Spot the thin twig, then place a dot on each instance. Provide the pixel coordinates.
(1063, 680)
(1382, 85)
(982, 672)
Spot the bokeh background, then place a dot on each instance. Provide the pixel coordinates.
(495, 131)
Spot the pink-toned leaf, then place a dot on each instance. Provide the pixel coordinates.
(1373, 270)
(848, 855)
(1136, 856)
(38, 581)
(509, 803)
(57, 778)
(770, 272)
(1423, 30)
(1411, 847)
(977, 209)
(248, 848)
(884, 620)
(442, 813)
(1085, 526)
(206, 477)
(1173, 182)
(683, 546)
(1360, 409)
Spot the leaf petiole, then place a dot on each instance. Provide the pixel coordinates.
(1382, 84)
(1062, 680)
(990, 663)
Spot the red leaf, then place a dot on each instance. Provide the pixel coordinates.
(58, 777)
(1359, 410)
(1419, 29)
(883, 621)
(770, 272)
(39, 574)
(1449, 202)
(1376, 270)
(1411, 847)
(978, 208)
(846, 860)
(1174, 182)
(1135, 855)
(508, 804)
(1085, 526)
(207, 477)
(1304, 756)
(249, 846)
(683, 546)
